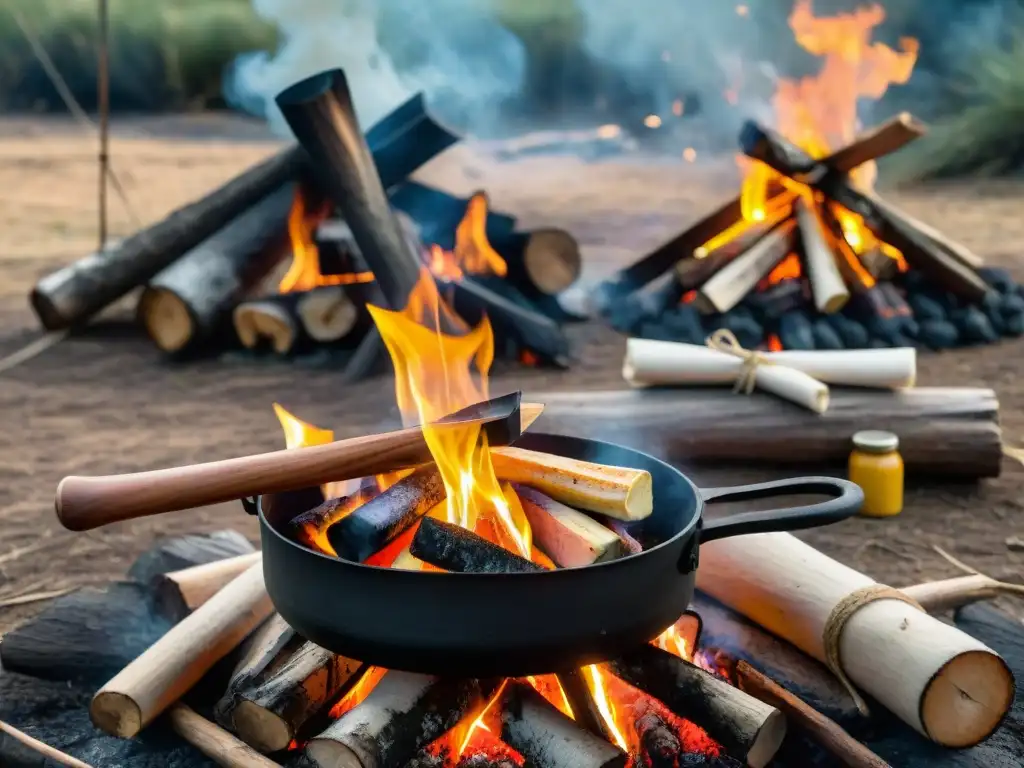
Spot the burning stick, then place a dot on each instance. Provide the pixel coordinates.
(584, 708)
(746, 728)
(848, 261)
(311, 526)
(401, 714)
(827, 284)
(453, 548)
(175, 662)
(369, 527)
(920, 251)
(180, 592)
(549, 739)
(659, 742)
(623, 493)
(569, 537)
(215, 742)
(330, 313)
(737, 278)
(191, 300)
(826, 732)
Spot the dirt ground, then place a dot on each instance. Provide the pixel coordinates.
(105, 402)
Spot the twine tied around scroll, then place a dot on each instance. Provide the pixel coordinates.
(724, 340)
(836, 623)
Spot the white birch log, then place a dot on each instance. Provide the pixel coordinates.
(948, 686)
(736, 279)
(827, 285)
(651, 363)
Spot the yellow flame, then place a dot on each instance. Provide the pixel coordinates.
(595, 680)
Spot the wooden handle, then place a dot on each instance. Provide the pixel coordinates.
(84, 503)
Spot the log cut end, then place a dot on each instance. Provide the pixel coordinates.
(116, 713)
(261, 729)
(166, 318)
(968, 698)
(258, 322)
(46, 309)
(552, 260)
(324, 753)
(768, 740)
(328, 314)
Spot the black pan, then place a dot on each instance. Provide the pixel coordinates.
(482, 625)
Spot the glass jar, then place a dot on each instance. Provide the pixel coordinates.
(877, 467)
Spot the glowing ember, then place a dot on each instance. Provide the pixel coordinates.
(774, 343)
(473, 252)
(787, 269)
(549, 687)
(689, 154)
(304, 272)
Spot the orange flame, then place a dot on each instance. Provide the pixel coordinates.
(774, 343)
(473, 252)
(357, 693)
(596, 678)
(299, 434)
(304, 272)
(549, 687)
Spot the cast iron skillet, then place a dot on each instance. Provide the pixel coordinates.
(482, 625)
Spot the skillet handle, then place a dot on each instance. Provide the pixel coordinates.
(846, 500)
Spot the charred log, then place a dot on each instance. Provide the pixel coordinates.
(581, 701)
(658, 741)
(453, 548)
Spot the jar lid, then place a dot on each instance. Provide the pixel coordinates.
(875, 441)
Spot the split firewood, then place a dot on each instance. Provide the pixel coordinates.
(945, 684)
(213, 741)
(297, 320)
(585, 711)
(174, 663)
(549, 739)
(747, 729)
(827, 285)
(658, 740)
(403, 713)
(849, 263)
(32, 753)
(623, 493)
(456, 549)
(180, 592)
(569, 537)
(825, 732)
(190, 301)
(369, 527)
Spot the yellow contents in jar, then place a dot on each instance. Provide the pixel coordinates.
(877, 467)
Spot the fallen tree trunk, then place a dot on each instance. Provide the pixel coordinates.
(952, 432)
(190, 301)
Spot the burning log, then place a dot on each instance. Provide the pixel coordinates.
(369, 527)
(584, 708)
(568, 537)
(310, 528)
(660, 744)
(745, 727)
(291, 321)
(736, 279)
(401, 714)
(824, 731)
(847, 260)
(72, 295)
(944, 431)
(693, 271)
(880, 265)
(920, 251)
(952, 247)
(827, 285)
(945, 684)
(883, 140)
(190, 301)
(180, 592)
(214, 742)
(622, 493)
(456, 549)
(320, 113)
(172, 665)
(549, 739)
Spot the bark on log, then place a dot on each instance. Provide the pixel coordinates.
(320, 112)
(943, 683)
(369, 527)
(72, 295)
(623, 493)
(921, 252)
(176, 662)
(827, 285)
(727, 287)
(456, 549)
(952, 247)
(825, 732)
(567, 536)
(549, 739)
(950, 432)
(403, 713)
(180, 592)
(330, 314)
(189, 302)
(747, 729)
(213, 741)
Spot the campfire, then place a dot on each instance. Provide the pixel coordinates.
(809, 256)
(287, 256)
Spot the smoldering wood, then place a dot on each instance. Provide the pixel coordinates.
(320, 112)
(178, 593)
(879, 264)
(549, 739)
(369, 527)
(527, 329)
(658, 741)
(581, 701)
(72, 295)
(857, 279)
(300, 320)
(953, 432)
(747, 729)
(921, 252)
(453, 548)
(190, 302)
(402, 714)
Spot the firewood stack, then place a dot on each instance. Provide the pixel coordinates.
(286, 256)
(817, 261)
